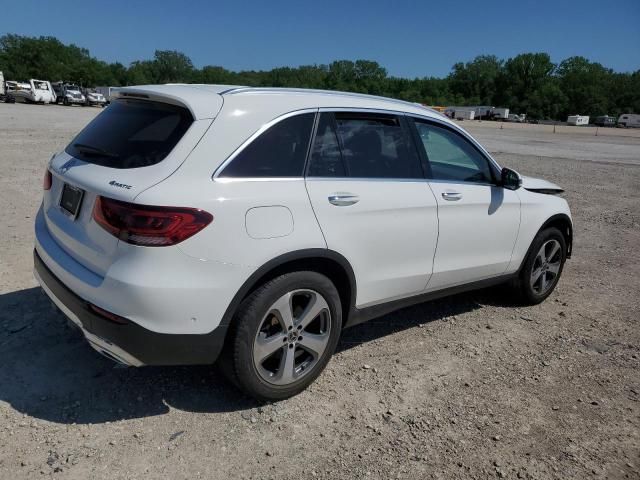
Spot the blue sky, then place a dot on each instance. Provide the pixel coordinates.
(409, 38)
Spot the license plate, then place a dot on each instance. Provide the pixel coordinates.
(71, 199)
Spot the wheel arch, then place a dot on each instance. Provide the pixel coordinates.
(562, 222)
(327, 262)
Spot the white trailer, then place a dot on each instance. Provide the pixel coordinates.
(1, 85)
(631, 120)
(578, 120)
(500, 114)
(464, 114)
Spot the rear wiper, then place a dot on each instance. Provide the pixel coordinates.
(95, 150)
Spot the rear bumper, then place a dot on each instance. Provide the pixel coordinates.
(130, 343)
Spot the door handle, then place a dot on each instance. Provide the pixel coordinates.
(452, 196)
(343, 199)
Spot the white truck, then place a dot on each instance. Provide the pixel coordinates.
(578, 120)
(1, 86)
(629, 120)
(500, 114)
(464, 114)
(106, 92)
(32, 91)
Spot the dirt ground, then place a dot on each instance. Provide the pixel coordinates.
(466, 387)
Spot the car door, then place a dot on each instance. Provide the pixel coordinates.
(478, 219)
(369, 194)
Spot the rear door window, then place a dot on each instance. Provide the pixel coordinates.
(363, 145)
(278, 152)
(131, 134)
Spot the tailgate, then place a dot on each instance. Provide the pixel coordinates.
(100, 161)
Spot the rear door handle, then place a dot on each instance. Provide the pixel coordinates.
(451, 196)
(343, 199)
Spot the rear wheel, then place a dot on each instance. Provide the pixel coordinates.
(543, 266)
(285, 333)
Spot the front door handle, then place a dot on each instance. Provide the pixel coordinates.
(452, 196)
(343, 199)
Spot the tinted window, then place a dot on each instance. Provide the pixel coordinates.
(376, 146)
(131, 134)
(278, 152)
(326, 159)
(451, 157)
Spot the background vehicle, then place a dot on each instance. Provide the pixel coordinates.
(254, 223)
(68, 93)
(106, 92)
(464, 114)
(517, 118)
(33, 91)
(605, 121)
(500, 114)
(578, 120)
(629, 120)
(93, 98)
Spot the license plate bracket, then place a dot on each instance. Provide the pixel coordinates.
(71, 200)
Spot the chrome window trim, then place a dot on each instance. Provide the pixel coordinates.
(218, 171)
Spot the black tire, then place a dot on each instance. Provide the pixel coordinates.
(525, 291)
(238, 358)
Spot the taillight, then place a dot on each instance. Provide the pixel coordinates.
(149, 225)
(46, 182)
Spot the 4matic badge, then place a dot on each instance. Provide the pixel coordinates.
(113, 183)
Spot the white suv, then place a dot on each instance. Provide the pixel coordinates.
(187, 222)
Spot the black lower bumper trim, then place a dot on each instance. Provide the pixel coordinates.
(151, 348)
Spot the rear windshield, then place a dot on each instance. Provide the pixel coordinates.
(131, 134)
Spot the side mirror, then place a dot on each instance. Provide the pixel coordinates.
(510, 179)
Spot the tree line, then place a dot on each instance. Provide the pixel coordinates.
(528, 83)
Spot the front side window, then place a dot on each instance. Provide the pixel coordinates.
(278, 152)
(363, 145)
(451, 157)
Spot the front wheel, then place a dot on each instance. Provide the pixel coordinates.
(284, 335)
(543, 266)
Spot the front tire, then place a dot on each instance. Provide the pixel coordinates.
(284, 334)
(543, 266)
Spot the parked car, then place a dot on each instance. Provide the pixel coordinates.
(93, 98)
(68, 94)
(255, 224)
(629, 120)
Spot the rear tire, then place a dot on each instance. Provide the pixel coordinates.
(542, 267)
(283, 335)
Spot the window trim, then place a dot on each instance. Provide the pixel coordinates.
(217, 174)
(405, 125)
(494, 168)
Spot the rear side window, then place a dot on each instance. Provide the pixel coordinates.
(278, 152)
(368, 146)
(131, 134)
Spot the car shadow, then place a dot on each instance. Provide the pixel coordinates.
(48, 371)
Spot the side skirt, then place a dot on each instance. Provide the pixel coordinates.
(357, 316)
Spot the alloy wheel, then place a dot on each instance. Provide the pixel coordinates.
(546, 267)
(292, 337)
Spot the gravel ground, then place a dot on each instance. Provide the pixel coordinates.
(466, 387)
